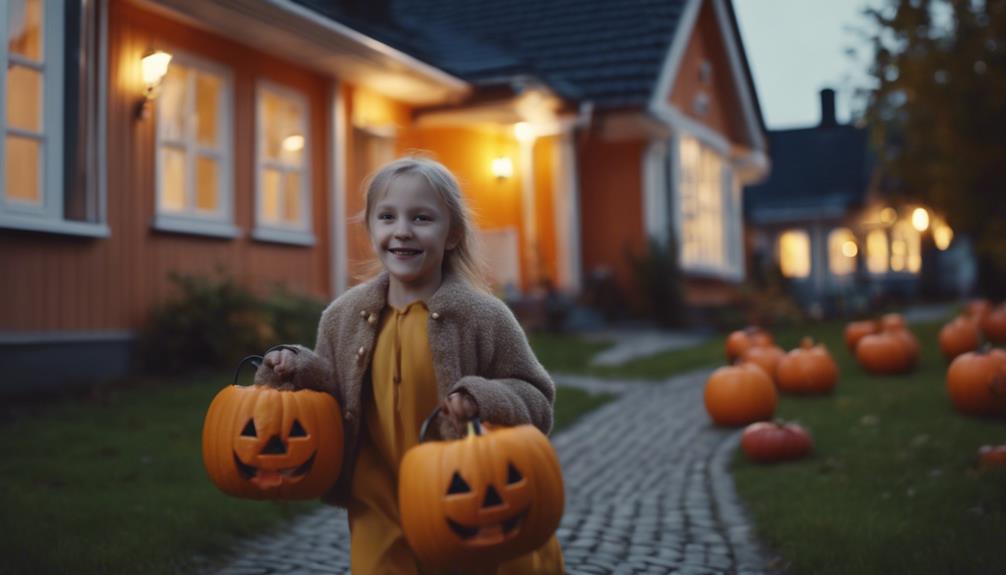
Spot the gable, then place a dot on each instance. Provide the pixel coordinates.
(704, 88)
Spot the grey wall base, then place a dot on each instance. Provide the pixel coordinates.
(53, 362)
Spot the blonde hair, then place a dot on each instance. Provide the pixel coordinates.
(464, 258)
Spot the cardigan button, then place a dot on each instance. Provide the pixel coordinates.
(372, 319)
(435, 315)
(361, 351)
(349, 416)
(363, 313)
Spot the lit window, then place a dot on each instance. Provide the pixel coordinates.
(906, 248)
(876, 252)
(283, 206)
(794, 254)
(702, 211)
(194, 149)
(842, 251)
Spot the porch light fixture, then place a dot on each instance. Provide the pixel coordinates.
(154, 67)
(850, 249)
(920, 219)
(942, 236)
(523, 132)
(502, 168)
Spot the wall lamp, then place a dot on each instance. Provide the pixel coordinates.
(502, 168)
(155, 67)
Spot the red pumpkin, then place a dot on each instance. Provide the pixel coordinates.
(857, 330)
(260, 442)
(886, 352)
(741, 394)
(994, 324)
(767, 442)
(764, 356)
(483, 499)
(807, 369)
(959, 336)
(991, 456)
(743, 339)
(976, 382)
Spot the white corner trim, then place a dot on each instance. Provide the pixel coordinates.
(339, 236)
(655, 199)
(665, 82)
(567, 214)
(661, 107)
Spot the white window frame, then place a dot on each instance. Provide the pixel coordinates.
(302, 233)
(49, 215)
(221, 222)
(732, 266)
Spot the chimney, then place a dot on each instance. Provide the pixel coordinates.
(828, 108)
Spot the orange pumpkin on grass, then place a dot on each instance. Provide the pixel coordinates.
(740, 394)
(262, 442)
(483, 499)
(886, 352)
(857, 330)
(807, 369)
(960, 335)
(743, 339)
(992, 456)
(764, 356)
(994, 324)
(976, 382)
(771, 441)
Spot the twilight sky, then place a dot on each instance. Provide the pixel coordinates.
(797, 47)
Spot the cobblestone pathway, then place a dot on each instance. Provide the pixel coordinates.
(647, 491)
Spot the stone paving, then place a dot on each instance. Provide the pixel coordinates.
(647, 492)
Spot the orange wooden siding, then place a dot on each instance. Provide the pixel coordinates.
(545, 166)
(612, 206)
(59, 283)
(707, 45)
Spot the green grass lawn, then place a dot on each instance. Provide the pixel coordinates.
(116, 484)
(892, 486)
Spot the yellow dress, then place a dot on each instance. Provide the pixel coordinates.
(404, 394)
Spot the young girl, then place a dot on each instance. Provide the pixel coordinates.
(423, 333)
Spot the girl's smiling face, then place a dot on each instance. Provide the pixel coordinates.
(409, 229)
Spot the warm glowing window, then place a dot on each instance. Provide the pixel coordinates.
(842, 251)
(194, 148)
(29, 79)
(283, 205)
(876, 252)
(794, 254)
(906, 248)
(703, 242)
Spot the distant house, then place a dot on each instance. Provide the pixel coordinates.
(579, 130)
(820, 221)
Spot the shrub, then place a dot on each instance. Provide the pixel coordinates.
(293, 316)
(659, 278)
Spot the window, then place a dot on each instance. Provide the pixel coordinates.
(906, 248)
(702, 210)
(842, 251)
(876, 251)
(194, 192)
(283, 201)
(48, 127)
(794, 254)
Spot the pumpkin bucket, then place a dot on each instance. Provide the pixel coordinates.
(489, 497)
(262, 442)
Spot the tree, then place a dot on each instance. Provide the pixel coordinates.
(937, 114)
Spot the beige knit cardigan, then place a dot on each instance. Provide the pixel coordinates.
(477, 347)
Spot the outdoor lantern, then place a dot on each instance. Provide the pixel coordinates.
(154, 68)
(502, 168)
(942, 235)
(920, 219)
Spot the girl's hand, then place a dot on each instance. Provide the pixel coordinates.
(460, 407)
(283, 362)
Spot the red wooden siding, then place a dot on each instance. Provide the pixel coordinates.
(56, 283)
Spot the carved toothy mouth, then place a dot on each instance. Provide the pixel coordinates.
(251, 473)
(489, 534)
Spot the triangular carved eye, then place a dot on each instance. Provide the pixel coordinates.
(249, 430)
(512, 475)
(458, 485)
(297, 430)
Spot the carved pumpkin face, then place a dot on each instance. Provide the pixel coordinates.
(264, 443)
(483, 498)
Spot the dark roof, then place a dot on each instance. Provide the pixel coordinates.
(819, 170)
(600, 50)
